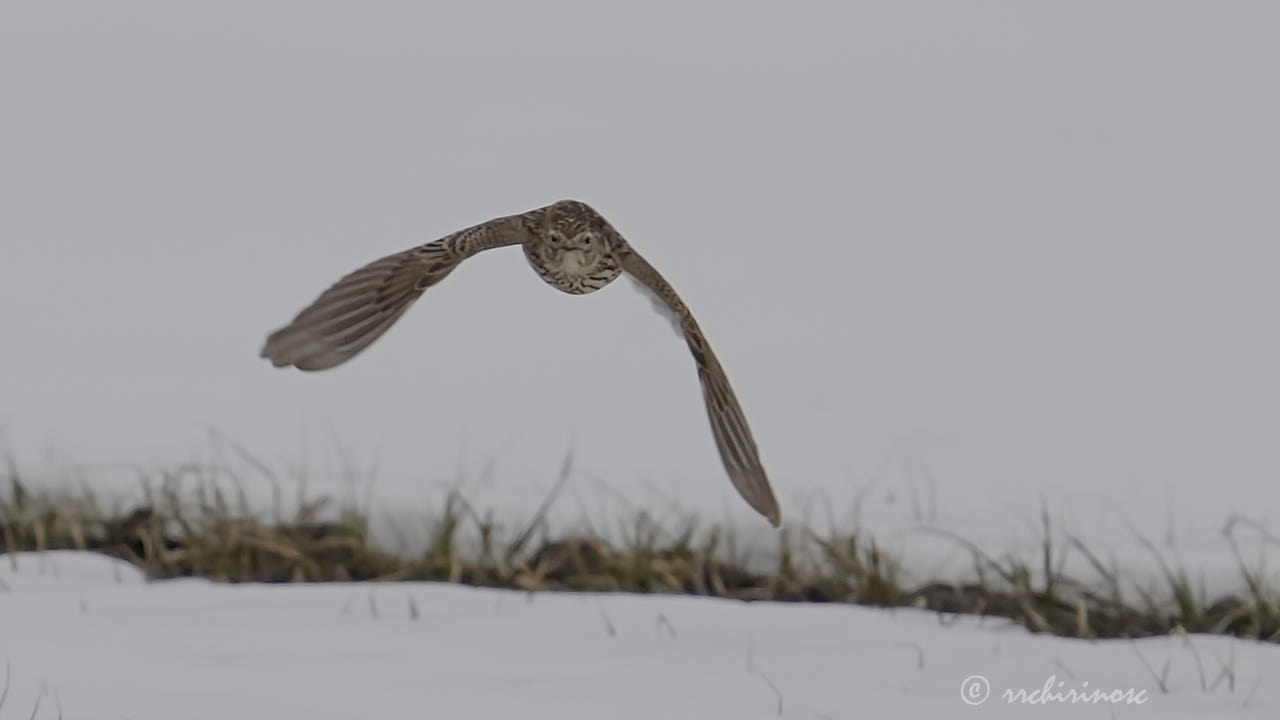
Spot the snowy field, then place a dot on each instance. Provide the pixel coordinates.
(961, 261)
(91, 640)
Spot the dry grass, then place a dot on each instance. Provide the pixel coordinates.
(213, 533)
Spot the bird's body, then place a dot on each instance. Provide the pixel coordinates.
(575, 250)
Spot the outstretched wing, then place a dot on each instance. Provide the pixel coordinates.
(728, 424)
(360, 307)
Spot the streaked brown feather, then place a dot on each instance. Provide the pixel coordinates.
(729, 426)
(359, 308)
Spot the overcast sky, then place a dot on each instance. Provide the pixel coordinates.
(1027, 250)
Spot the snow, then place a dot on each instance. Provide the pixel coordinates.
(960, 262)
(91, 636)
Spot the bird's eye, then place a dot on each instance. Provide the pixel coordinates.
(554, 238)
(586, 240)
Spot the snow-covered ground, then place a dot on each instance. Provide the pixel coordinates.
(87, 637)
(961, 261)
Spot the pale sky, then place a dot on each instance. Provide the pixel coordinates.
(1030, 251)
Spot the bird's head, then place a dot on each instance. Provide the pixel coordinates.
(575, 247)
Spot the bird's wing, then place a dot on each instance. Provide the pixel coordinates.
(728, 424)
(360, 307)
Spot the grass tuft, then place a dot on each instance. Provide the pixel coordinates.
(180, 529)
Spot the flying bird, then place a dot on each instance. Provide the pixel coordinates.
(575, 250)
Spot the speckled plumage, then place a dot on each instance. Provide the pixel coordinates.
(575, 250)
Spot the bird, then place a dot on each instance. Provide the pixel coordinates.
(575, 250)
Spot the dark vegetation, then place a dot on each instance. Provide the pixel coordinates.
(210, 532)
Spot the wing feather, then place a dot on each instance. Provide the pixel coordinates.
(360, 307)
(729, 426)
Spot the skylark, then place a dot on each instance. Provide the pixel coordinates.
(574, 249)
